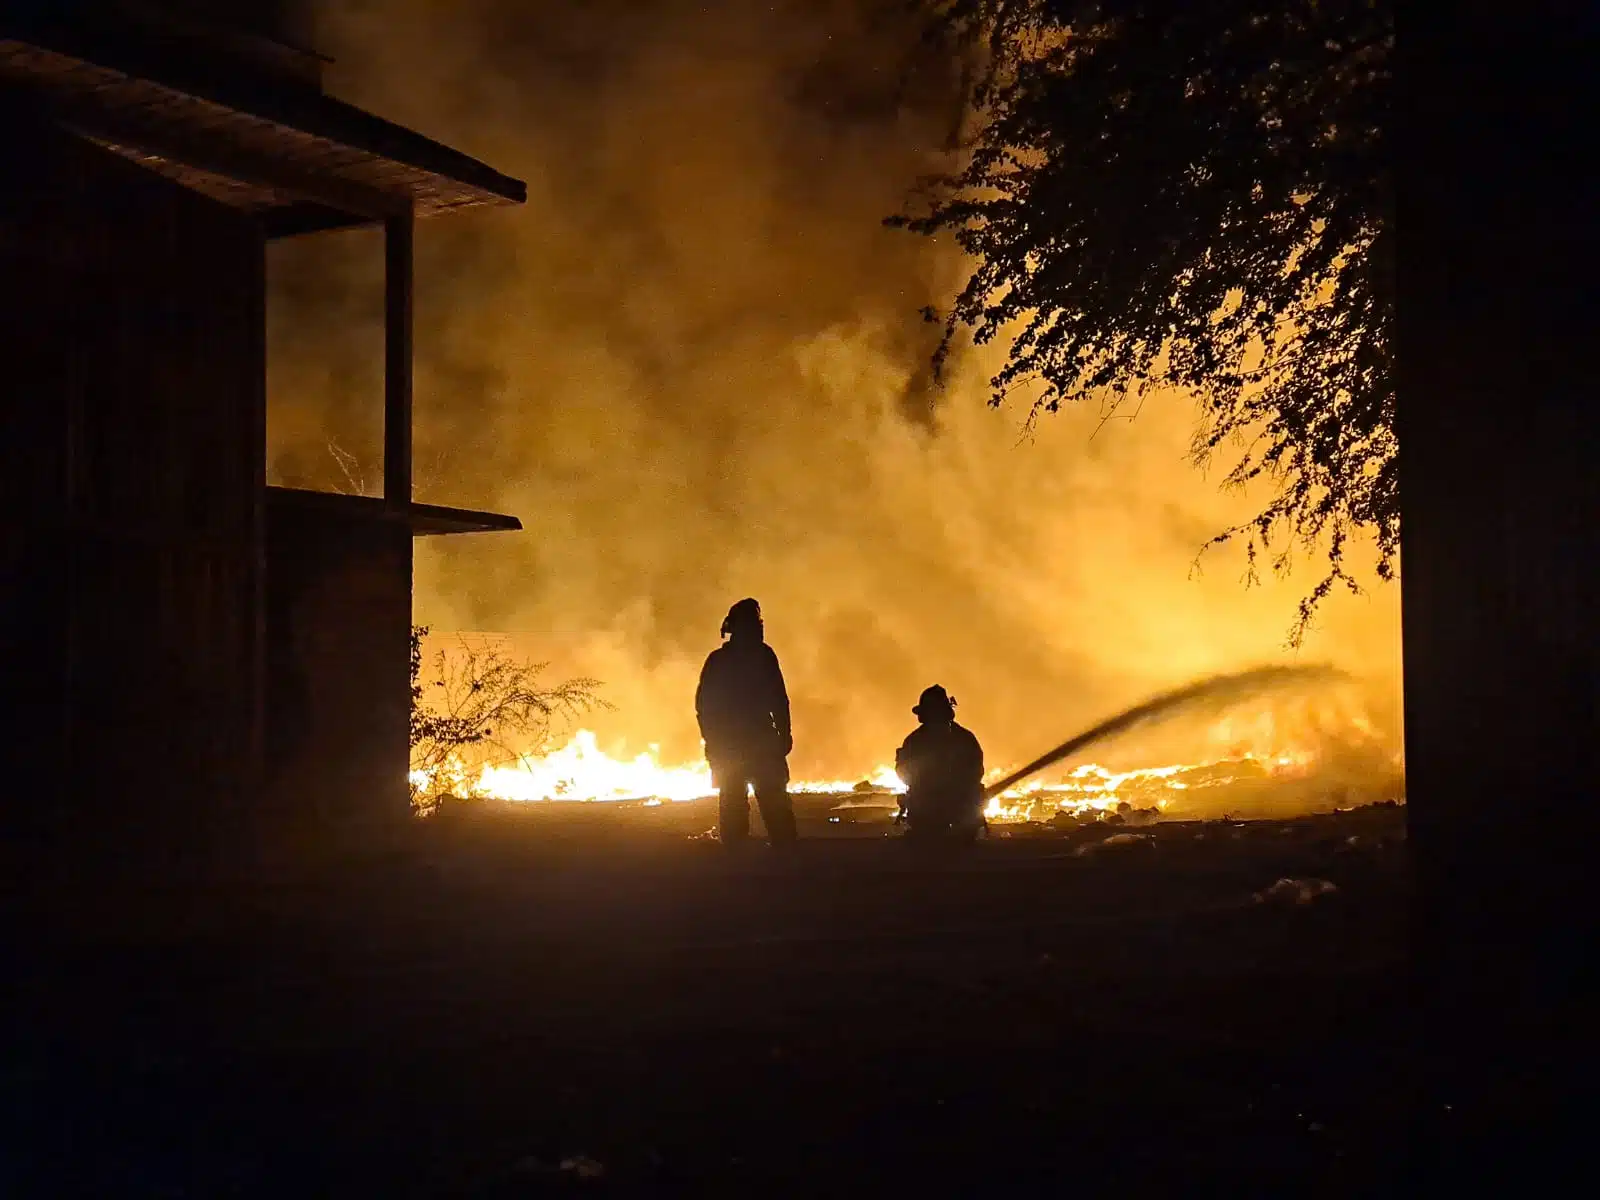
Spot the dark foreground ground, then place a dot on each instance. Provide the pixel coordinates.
(585, 1002)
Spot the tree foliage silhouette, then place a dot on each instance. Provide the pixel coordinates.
(1159, 192)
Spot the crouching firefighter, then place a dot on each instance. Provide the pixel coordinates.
(743, 709)
(941, 765)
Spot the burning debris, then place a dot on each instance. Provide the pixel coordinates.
(581, 771)
(1262, 766)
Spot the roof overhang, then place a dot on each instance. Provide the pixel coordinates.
(424, 520)
(294, 157)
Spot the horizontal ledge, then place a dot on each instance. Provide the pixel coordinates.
(425, 520)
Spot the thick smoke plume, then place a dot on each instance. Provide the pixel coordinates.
(693, 366)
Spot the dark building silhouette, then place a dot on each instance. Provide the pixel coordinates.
(190, 652)
(1498, 428)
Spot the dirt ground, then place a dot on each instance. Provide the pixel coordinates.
(596, 1001)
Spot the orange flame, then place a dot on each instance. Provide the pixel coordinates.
(582, 771)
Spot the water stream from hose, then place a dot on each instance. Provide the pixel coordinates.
(1214, 691)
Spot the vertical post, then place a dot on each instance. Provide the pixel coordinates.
(397, 329)
(395, 719)
(256, 748)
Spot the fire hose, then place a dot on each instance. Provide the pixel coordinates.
(1213, 691)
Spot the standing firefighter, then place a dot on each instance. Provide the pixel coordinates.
(941, 765)
(743, 710)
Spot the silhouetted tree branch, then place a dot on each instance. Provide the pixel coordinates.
(425, 473)
(1166, 192)
(485, 708)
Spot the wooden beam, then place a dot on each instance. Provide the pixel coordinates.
(58, 49)
(256, 743)
(397, 330)
(297, 220)
(423, 520)
(429, 520)
(232, 162)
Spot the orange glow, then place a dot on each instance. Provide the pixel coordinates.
(581, 771)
